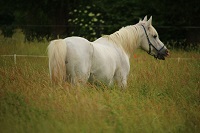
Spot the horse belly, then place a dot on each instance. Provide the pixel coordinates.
(103, 75)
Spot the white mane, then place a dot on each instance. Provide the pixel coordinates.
(127, 38)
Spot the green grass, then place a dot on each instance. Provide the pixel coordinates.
(162, 96)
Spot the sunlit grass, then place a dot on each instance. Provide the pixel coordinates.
(162, 96)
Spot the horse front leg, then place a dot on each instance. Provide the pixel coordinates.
(121, 80)
(122, 83)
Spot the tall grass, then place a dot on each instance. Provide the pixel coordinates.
(162, 96)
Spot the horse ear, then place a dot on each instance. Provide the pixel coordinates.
(149, 22)
(140, 20)
(145, 18)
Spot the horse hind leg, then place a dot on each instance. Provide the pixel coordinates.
(82, 78)
(80, 75)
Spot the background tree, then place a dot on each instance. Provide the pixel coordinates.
(174, 20)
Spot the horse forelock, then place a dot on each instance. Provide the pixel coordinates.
(126, 38)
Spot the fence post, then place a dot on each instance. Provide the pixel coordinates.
(15, 59)
(178, 59)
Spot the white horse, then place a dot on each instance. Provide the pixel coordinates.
(75, 59)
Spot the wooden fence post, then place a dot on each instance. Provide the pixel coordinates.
(15, 59)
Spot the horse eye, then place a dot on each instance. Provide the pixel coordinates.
(154, 36)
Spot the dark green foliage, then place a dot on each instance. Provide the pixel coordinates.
(175, 20)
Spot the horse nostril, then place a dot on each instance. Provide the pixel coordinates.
(167, 52)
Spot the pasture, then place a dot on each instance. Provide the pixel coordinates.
(161, 96)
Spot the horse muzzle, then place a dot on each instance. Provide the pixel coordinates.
(162, 54)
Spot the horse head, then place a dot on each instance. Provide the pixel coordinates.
(150, 41)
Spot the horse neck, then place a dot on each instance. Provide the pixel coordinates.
(127, 38)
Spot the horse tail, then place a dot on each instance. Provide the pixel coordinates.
(57, 51)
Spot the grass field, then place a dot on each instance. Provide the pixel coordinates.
(162, 96)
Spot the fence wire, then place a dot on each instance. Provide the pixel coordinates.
(43, 56)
